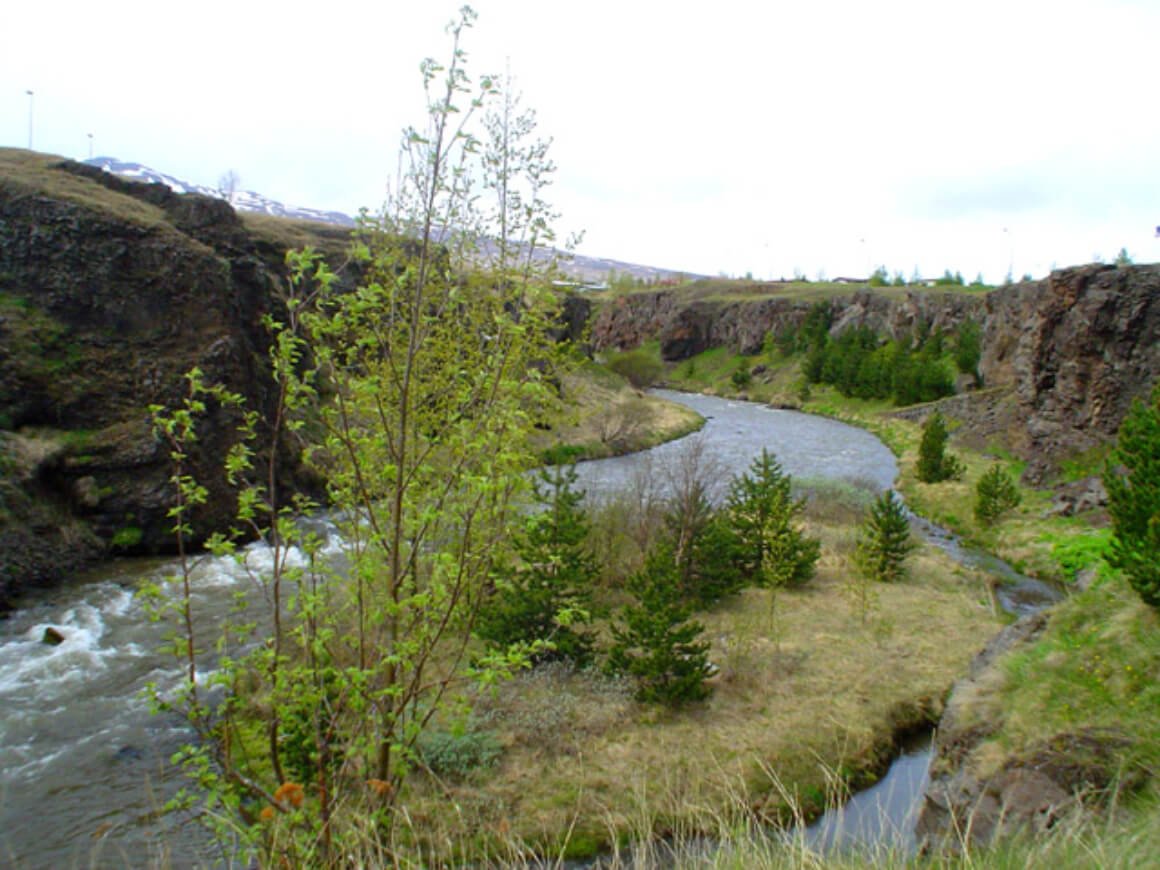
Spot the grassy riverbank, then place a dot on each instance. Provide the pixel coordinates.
(604, 416)
(807, 703)
(1052, 548)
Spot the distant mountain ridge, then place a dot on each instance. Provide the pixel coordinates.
(591, 270)
(242, 200)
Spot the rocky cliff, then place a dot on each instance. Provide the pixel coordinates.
(109, 292)
(1065, 356)
(1076, 349)
(686, 327)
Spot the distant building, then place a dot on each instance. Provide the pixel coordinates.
(844, 280)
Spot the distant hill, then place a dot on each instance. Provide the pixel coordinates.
(590, 271)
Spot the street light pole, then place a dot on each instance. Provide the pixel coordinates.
(31, 97)
(90, 146)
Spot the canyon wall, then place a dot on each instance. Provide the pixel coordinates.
(1064, 357)
(110, 291)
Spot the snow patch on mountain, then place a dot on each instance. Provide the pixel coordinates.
(242, 200)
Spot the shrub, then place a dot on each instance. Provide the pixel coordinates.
(885, 540)
(1132, 478)
(459, 751)
(968, 349)
(126, 538)
(995, 494)
(638, 367)
(742, 377)
(934, 463)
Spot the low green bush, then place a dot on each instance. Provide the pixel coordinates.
(995, 494)
(459, 752)
(638, 367)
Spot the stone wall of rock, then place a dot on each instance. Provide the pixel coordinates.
(689, 328)
(978, 793)
(1077, 349)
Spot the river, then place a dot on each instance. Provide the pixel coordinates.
(84, 767)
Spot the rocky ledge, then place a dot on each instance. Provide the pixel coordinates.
(980, 792)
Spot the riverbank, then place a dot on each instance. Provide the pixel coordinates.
(1037, 538)
(603, 416)
(809, 701)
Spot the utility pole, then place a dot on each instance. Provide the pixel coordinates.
(90, 135)
(31, 97)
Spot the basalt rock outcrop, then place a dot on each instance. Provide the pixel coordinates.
(110, 291)
(689, 328)
(1076, 349)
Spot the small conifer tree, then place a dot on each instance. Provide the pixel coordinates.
(995, 494)
(934, 463)
(969, 350)
(885, 541)
(762, 512)
(547, 598)
(1132, 478)
(703, 548)
(655, 641)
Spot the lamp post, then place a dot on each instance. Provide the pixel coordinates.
(31, 98)
(90, 135)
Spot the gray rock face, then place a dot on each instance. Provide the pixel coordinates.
(1077, 349)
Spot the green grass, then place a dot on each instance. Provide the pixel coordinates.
(126, 538)
(1085, 464)
(1094, 668)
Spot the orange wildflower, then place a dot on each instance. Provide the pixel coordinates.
(290, 793)
(381, 787)
(267, 814)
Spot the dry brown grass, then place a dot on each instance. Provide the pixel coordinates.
(606, 417)
(290, 234)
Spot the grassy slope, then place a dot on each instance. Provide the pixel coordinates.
(34, 174)
(732, 290)
(604, 416)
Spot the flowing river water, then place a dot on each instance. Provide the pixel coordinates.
(84, 766)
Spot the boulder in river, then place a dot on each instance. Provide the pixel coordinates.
(52, 636)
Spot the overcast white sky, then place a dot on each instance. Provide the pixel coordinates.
(734, 136)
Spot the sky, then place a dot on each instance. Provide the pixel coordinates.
(734, 137)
